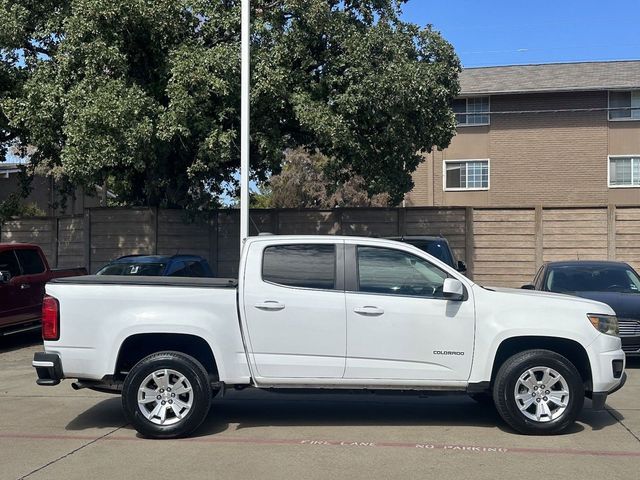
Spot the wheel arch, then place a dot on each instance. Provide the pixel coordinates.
(570, 349)
(137, 346)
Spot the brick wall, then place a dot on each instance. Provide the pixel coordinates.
(552, 158)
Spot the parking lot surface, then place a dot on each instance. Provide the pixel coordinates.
(58, 433)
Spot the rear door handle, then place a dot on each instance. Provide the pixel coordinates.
(24, 286)
(269, 305)
(369, 311)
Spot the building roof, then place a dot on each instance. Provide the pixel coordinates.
(552, 77)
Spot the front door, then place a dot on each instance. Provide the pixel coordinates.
(294, 309)
(33, 281)
(400, 326)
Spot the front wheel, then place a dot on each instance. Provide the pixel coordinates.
(538, 392)
(166, 395)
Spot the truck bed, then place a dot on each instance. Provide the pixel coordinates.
(149, 281)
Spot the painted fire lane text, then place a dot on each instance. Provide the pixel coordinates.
(424, 446)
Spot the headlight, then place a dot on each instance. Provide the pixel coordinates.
(604, 323)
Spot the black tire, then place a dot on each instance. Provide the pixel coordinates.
(196, 376)
(505, 384)
(483, 398)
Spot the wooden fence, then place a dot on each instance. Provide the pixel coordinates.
(502, 246)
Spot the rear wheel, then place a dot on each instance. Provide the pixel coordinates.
(538, 392)
(166, 395)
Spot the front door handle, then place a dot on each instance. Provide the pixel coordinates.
(369, 311)
(269, 305)
(24, 286)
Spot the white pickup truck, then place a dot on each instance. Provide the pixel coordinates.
(321, 312)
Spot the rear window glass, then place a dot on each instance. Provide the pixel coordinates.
(435, 248)
(593, 278)
(30, 261)
(308, 266)
(133, 269)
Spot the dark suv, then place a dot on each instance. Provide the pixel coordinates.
(435, 246)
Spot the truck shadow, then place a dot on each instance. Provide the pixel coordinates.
(257, 409)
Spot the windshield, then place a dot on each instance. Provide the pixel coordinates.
(593, 278)
(437, 248)
(136, 269)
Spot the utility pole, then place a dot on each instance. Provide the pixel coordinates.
(245, 92)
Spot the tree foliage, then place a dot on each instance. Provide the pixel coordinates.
(304, 183)
(144, 96)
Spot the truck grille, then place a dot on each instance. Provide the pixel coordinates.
(629, 327)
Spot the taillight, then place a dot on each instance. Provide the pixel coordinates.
(50, 318)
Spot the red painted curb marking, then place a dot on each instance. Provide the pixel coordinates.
(336, 443)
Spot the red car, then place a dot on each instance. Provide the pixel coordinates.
(24, 271)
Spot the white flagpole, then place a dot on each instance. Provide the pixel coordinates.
(244, 121)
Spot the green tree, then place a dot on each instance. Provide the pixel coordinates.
(304, 183)
(144, 96)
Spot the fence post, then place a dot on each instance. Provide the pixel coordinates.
(402, 221)
(275, 221)
(55, 240)
(213, 243)
(539, 236)
(611, 232)
(86, 232)
(153, 222)
(469, 246)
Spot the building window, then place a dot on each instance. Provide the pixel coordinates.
(624, 105)
(471, 111)
(624, 171)
(467, 175)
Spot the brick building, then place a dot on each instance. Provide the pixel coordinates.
(555, 134)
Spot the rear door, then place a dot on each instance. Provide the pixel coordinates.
(294, 307)
(34, 277)
(13, 302)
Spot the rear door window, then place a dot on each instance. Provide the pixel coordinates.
(305, 265)
(9, 263)
(30, 262)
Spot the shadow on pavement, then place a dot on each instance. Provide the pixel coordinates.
(256, 409)
(16, 341)
(370, 410)
(105, 414)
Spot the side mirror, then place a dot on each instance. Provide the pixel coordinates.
(453, 289)
(528, 286)
(462, 267)
(5, 276)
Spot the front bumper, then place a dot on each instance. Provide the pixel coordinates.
(598, 399)
(48, 367)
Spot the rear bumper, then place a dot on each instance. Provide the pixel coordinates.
(48, 368)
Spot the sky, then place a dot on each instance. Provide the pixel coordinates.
(499, 32)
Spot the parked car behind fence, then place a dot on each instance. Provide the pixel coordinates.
(158, 266)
